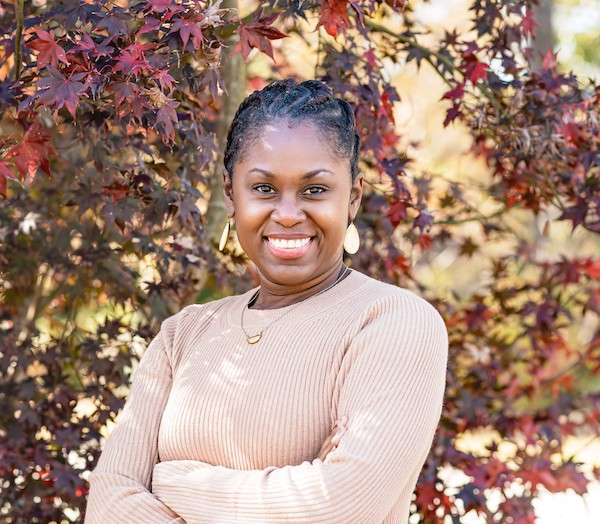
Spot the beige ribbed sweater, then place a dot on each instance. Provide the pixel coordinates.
(328, 419)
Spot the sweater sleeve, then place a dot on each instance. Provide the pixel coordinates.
(391, 387)
(119, 484)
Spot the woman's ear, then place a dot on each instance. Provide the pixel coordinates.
(356, 192)
(228, 193)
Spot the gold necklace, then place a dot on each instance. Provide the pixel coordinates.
(253, 339)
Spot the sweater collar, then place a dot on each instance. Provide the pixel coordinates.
(309, 306)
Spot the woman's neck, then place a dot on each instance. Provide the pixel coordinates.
(276, 296)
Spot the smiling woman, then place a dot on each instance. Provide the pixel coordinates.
(311, 398)
(292, 186)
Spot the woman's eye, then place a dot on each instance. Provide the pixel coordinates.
(321, 190)
(318, 189)
(262, 185)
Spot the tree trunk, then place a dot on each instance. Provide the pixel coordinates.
(544, 37)
(233, 71)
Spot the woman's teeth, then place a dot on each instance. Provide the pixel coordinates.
(289, 244)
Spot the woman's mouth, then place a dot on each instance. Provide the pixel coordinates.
(288, 248)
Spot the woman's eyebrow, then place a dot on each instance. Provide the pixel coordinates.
(310, 174)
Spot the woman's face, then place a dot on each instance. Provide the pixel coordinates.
(287, 184)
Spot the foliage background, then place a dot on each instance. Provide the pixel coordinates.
(481, 151)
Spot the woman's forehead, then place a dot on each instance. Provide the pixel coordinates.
(280, 144)
(282, 131)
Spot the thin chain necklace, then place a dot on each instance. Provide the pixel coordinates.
(253, 339)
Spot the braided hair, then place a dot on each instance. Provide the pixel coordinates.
(311, 100)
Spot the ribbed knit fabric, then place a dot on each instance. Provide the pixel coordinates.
(329, 418)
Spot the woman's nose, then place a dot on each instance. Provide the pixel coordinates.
(288, 211)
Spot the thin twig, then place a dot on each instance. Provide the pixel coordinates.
(18, 37)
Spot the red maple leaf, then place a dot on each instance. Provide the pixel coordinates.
(387, 107)
(429, 498)
(167, 117)
(477, 71)
(529, 24)
(539, 475)
(424, 241)
(454, 94)
(370, 58)
(87, 44)
(334, 16)
(570, 131)
(549, 61)
(569, 477)
(472, 68)
(396, 212)
(403, 264)
(452, 114)
(258, 34)
(592, 268)
(164, 79)
(58, 91)
(128, 100)
(187, 28)
(151, 24)
(132, 59)
(81, 491)
(49, 51)
(33, 152)
(123, 91)
(158, 6)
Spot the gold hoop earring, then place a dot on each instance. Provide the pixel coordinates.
(351, 240)
(225, 234)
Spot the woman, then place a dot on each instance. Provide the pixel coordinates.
(313, 397)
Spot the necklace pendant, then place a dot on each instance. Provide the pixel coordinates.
(254, 338)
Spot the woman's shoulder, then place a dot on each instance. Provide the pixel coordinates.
(388, 308)
(192, 315)
(392, 313)
(207, 307)
(383, 296)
